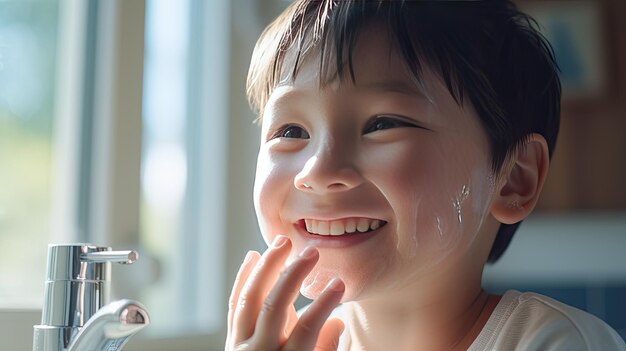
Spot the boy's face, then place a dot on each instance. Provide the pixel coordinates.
(381, 149)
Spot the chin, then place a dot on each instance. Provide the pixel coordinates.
(315, 284)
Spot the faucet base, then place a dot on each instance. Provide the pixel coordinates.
(47, 338)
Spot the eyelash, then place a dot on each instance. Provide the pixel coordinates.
(377, 120)
(280, 133)
(372, 123)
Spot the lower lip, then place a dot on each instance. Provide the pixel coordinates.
(337, 241)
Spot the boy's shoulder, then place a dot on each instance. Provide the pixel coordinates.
(530, 321)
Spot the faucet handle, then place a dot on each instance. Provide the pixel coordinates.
(123, 257)
(84, 261)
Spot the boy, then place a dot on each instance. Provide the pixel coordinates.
(402, 144)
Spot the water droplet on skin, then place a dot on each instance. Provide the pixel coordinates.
(439, 228)
(465, 192)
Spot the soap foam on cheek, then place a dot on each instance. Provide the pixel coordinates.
(484, 184)
(432, 224)
(439, 225)
(433, 218)
(414, 224)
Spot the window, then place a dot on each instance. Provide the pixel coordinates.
(183, 164)
(130, 135)
(192, 224)
(28, 44)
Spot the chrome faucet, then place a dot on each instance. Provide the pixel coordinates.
(77, 315)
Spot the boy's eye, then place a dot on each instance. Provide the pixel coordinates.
(384, 122)
(291, 131)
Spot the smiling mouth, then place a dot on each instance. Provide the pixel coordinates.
(341, 226)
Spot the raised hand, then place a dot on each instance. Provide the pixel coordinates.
(261, 315)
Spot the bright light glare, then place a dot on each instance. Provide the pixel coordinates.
(164, 177)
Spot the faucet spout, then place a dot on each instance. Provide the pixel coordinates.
(111, 327)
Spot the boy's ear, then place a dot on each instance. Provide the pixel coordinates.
(521, 184)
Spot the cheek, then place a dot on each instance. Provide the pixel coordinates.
(439, 194)
(270, 186)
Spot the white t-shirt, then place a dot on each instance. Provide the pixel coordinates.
(533, 322)
(529, 322)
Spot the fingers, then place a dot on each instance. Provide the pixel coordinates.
(328, 339)
(262, 300)
(272, 319)
(251, 259)
(309, 328)
(255, 289)
(292, 319)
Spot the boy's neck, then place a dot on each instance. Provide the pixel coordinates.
(447, 328)
(449, 318)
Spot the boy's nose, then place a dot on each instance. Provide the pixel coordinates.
(330, 170)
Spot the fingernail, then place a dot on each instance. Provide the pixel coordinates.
(336, 285)
(309, 252)
(279, 241)
(248, 257)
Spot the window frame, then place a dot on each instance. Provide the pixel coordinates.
(97, 146)
(70, 68)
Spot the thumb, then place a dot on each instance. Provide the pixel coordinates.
(328, 339)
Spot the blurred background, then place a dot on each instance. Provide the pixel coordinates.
(125, 123)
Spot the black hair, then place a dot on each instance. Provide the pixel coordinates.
(487, 52)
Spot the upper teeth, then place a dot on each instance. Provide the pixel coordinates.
(342, 226)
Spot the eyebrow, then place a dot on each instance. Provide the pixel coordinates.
(395, 86)
(285, 93)
(385, 86)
